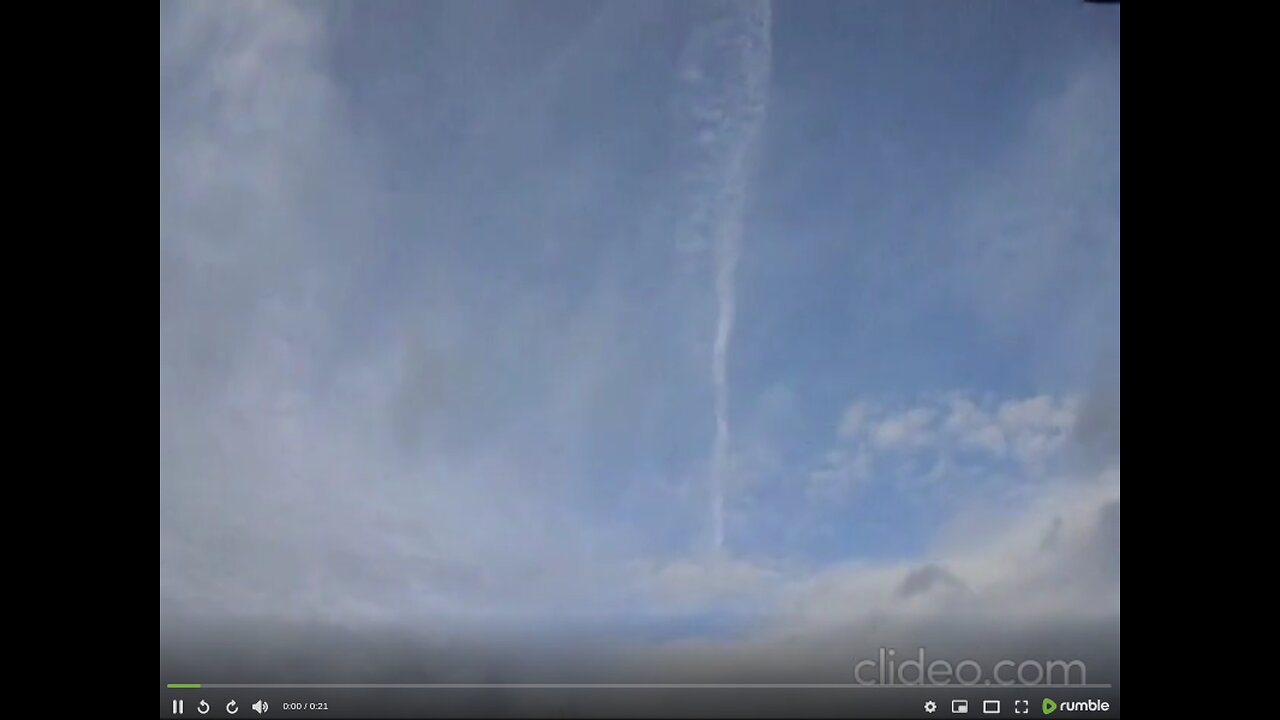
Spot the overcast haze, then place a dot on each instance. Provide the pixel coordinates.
(705, 325)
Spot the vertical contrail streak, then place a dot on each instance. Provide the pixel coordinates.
(727, 68)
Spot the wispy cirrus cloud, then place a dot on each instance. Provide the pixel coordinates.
(725, 71)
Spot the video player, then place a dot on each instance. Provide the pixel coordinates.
(592, 358)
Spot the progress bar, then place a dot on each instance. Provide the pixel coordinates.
(624, 686)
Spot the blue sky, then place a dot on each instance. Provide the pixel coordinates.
(441, 287)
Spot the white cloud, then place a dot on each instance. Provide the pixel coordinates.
(312, 455)
(908, 429)
(714, 581)
(953, 435)
(1051, 559)
(973, 426)
(1035, 413)
(843, 472)
(1037, 427)
(856, 419)
(1047, 573)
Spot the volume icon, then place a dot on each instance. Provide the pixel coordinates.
(260, 706)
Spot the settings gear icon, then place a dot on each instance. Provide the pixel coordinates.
(930, 706)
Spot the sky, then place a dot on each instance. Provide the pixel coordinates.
(711, 323)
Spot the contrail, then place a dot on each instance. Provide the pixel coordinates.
(726, 69)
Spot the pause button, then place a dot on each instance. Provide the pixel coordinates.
(177, 707)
